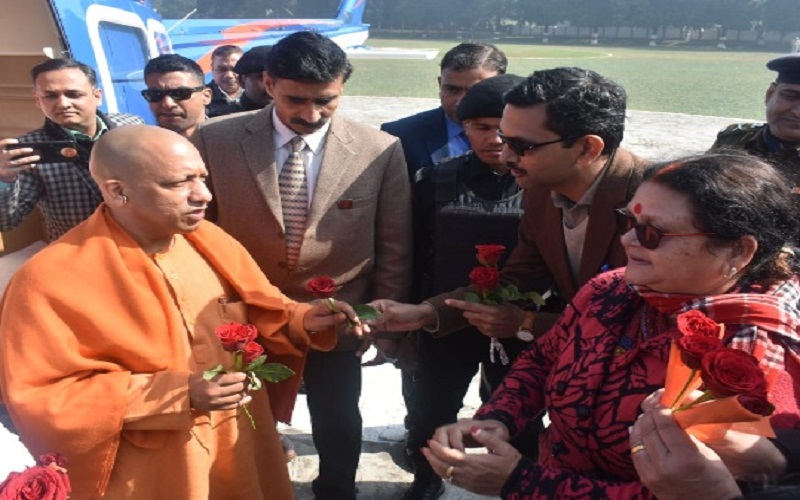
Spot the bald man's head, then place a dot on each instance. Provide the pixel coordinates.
(132, 151)
(153, 182)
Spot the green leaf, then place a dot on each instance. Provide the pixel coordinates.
(256, 362)
(213, 372)
(535, 298)
(505, 294)
(366, 312)
(273, 372)
(472, 297)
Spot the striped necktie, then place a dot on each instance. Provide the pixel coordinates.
(294, 199)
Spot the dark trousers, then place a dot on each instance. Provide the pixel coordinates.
(333, 387)
(446, 368)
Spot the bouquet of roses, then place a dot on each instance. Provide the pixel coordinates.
(485, 281)
(734, 388)
(47, 480)
(324, 288)
(248, 357)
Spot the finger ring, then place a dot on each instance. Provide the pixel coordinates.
(448, 473)
(637, 448)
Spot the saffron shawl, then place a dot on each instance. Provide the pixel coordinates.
(91, 309)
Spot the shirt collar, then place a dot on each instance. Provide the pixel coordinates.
(565, 203)
(453, 128)
(76, 135)
(285, 134)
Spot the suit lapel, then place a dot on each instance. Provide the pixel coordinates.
(259, 152)
(436, 139)
(600, 233)
(335, 173)
(554, 250)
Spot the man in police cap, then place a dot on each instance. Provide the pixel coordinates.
(460, 202)
(777, 140)
(250, 69)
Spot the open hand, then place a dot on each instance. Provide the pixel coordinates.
(498, 321)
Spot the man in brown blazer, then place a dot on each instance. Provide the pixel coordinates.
(561, 129)
(356, 226)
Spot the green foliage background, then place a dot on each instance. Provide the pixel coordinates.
(703, 82)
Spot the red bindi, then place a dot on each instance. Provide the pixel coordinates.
(637, 208)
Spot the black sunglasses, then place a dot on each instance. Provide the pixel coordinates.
(648, 236)
(519, 147)
(177, 94)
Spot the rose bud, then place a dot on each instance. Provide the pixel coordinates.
(694, 347)
(490, 255)
(696, 323)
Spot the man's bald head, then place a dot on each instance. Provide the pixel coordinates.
(153, 183)
(125, 153)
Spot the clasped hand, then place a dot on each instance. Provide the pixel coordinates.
(482, 473)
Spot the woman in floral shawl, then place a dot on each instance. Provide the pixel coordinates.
(710, 233)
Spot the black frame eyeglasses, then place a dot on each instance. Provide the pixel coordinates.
(648, 236)
(177, 94)
(519, 147)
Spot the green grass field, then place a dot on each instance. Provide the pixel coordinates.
(702, 82)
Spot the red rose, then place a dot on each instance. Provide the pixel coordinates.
(322, 287)
(36, 483)
(757, 404)
(730, 372)
(251, 351)
(235, 336)
(693, 347)
(489, 255)
(484, 279)
(696, 323)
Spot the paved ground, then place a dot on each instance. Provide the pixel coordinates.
(381, 474)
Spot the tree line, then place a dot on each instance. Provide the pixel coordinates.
(495, 15)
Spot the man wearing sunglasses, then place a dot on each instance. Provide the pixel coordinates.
(176, 93)
(561, 130)
(777, 140)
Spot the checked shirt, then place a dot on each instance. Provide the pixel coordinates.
(65, 192)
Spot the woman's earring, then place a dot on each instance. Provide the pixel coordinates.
(124, 199)
(731, 273)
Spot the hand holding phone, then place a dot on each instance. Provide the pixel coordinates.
(15, 160)
(49, 151)
(17, 156)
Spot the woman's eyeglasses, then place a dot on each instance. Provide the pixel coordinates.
(519, 147)
(177, 94)
(648, 236)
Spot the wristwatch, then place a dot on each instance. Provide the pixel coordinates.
(525, 332)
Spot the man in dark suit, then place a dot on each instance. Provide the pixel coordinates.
(431, 136)
(348, 217)
(561, 130)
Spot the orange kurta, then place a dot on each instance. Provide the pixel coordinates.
(86, 322)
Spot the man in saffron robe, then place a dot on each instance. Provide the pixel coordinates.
(106, 333)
